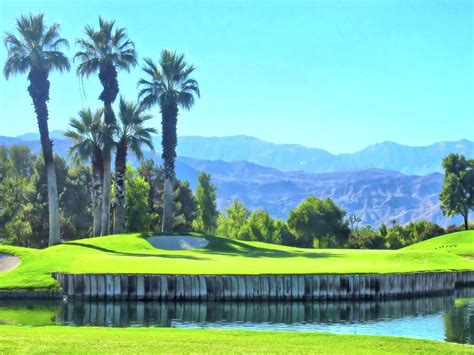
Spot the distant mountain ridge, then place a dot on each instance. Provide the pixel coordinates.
(376, 195)
(293, 157)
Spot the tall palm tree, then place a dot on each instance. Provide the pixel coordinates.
(86, 134)
(37, 50)
(169, 85)
(132, 134)
(105, 51)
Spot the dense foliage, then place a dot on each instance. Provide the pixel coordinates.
(314, 223)
(457, 194)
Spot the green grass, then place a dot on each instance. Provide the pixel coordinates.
(131, 253)
(153, 340)
(459, 243)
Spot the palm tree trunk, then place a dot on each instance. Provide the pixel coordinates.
(120, 169)
(39, 92)
(96, 191)
(109, 121)
(169, 118)
(104, 228)
(96, 197)
(108, 78)
(167, 222)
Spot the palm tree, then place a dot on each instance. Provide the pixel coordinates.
(105, 51)
(37, 50)
(169, 85)
(130, 134)
(86, 134)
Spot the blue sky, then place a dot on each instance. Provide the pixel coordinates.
(337, 75)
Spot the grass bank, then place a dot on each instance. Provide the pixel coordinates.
(459, 243)
(152, 340)
(132, 253)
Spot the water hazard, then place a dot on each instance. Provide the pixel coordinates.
(447, 318)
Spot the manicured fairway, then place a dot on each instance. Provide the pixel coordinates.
(132, 253)
(152, 340)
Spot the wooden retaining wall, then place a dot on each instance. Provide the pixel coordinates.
(143, 287)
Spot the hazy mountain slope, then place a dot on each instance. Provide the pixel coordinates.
(292, 157)
(377, 196)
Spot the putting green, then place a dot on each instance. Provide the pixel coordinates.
(460, 243)
(132, 253)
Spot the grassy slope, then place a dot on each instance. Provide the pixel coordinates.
(152, 340)
(460, 243)
(131, 253)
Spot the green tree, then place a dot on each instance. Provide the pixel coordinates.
(22, 160)
(169, 85)
(131, 134)
(320, 223)
(457, 194)
(5, 163)
(185, 210)
(14, 207)
(231, 222)
(86, 133)
(75, 202)
(262, 227)
(154, 176)
(37, 51)
(283, 234)
(206, 204)
(104, 51)
(137, 216)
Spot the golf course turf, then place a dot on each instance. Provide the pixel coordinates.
(55, 339)
(132, 253)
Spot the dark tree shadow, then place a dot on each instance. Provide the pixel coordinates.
(118, 253)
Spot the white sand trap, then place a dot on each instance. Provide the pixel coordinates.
(178, 242)
(8, 262)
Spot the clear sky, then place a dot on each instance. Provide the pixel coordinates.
(337, 75)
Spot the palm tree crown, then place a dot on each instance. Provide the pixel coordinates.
(130, 128)
(38, 49)
(105, 50)
(86, 134)
(168, 84)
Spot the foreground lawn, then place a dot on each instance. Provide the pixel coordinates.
(460, 243)
(131, 253)
(169, 340)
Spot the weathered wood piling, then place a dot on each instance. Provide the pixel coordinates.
(140, 287)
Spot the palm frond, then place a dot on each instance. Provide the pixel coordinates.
(168, 82)
(38, 47)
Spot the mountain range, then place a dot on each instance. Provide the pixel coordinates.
(376, 195)
(293, 157)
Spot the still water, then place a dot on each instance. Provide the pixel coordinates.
(448, 318)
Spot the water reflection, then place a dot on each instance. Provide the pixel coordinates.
(448, 318)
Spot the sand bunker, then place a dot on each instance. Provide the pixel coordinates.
(178, 242)
(8, 262)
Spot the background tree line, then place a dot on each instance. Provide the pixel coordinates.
(317, 223)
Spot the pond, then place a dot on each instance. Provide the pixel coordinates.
(446, 318)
